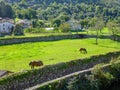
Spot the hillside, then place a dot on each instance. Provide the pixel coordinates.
(64, 1)
(77, 9)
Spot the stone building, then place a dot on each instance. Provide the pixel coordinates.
(6, 26)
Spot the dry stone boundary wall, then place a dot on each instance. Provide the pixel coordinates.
(36, 39)
(8, 41)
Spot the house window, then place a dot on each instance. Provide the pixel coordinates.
(3, 29)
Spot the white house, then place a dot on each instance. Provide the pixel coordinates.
(74, 24)
(6, 27)
(49, 28)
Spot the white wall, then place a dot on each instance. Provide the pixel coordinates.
(5, 27)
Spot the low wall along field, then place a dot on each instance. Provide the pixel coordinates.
(7, 41)
(30, 78)
(36, 39)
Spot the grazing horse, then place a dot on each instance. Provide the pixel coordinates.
(83, 50)
(36, 63)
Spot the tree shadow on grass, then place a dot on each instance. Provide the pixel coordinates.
(115, 47)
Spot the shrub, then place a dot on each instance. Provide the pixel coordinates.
(18, 30)
(115, 70)
(64, 27)
(35, 30)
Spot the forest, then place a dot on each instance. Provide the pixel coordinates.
(60, 9)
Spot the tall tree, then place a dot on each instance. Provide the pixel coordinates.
(97, 24)
(6, 10)
(56, 22)
(9, 11)
(114, 29)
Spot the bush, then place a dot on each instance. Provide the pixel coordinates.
(64, 27)
(115, 70)
(102, 78)
(35, 30)
(18, 30)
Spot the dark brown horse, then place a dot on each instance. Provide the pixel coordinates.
(36, 63)
(83, 50)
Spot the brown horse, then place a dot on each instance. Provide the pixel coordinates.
(36, 63)
(83, 50)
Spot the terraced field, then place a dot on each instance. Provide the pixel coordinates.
(16, 57)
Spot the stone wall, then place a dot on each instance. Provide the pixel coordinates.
(8, 41)
(36, 39)
(23, 80)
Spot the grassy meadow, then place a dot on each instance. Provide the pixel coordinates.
(16, 57)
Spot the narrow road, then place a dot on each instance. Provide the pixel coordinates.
(63, 77)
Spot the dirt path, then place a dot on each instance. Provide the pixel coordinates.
(61, 78)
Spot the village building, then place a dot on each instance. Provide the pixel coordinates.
(25, 23)
(51, 28)
(6, 26)
(74, 25)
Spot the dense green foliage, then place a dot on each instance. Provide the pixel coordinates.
(54, 13)
(6, 10)
(77, 9)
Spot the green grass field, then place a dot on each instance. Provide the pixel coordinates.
(17, 57)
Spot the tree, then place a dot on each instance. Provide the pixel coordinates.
(114, 29)
(6, 10)
(9, 11)
(34, 23)
(18, 30)
(64, 18)
(84, 23)
(32, 13)
(41, 23)
(56, 22)
(97, 24)
(23, 3)
(64, 27)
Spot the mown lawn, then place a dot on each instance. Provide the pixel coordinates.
(17, 57)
